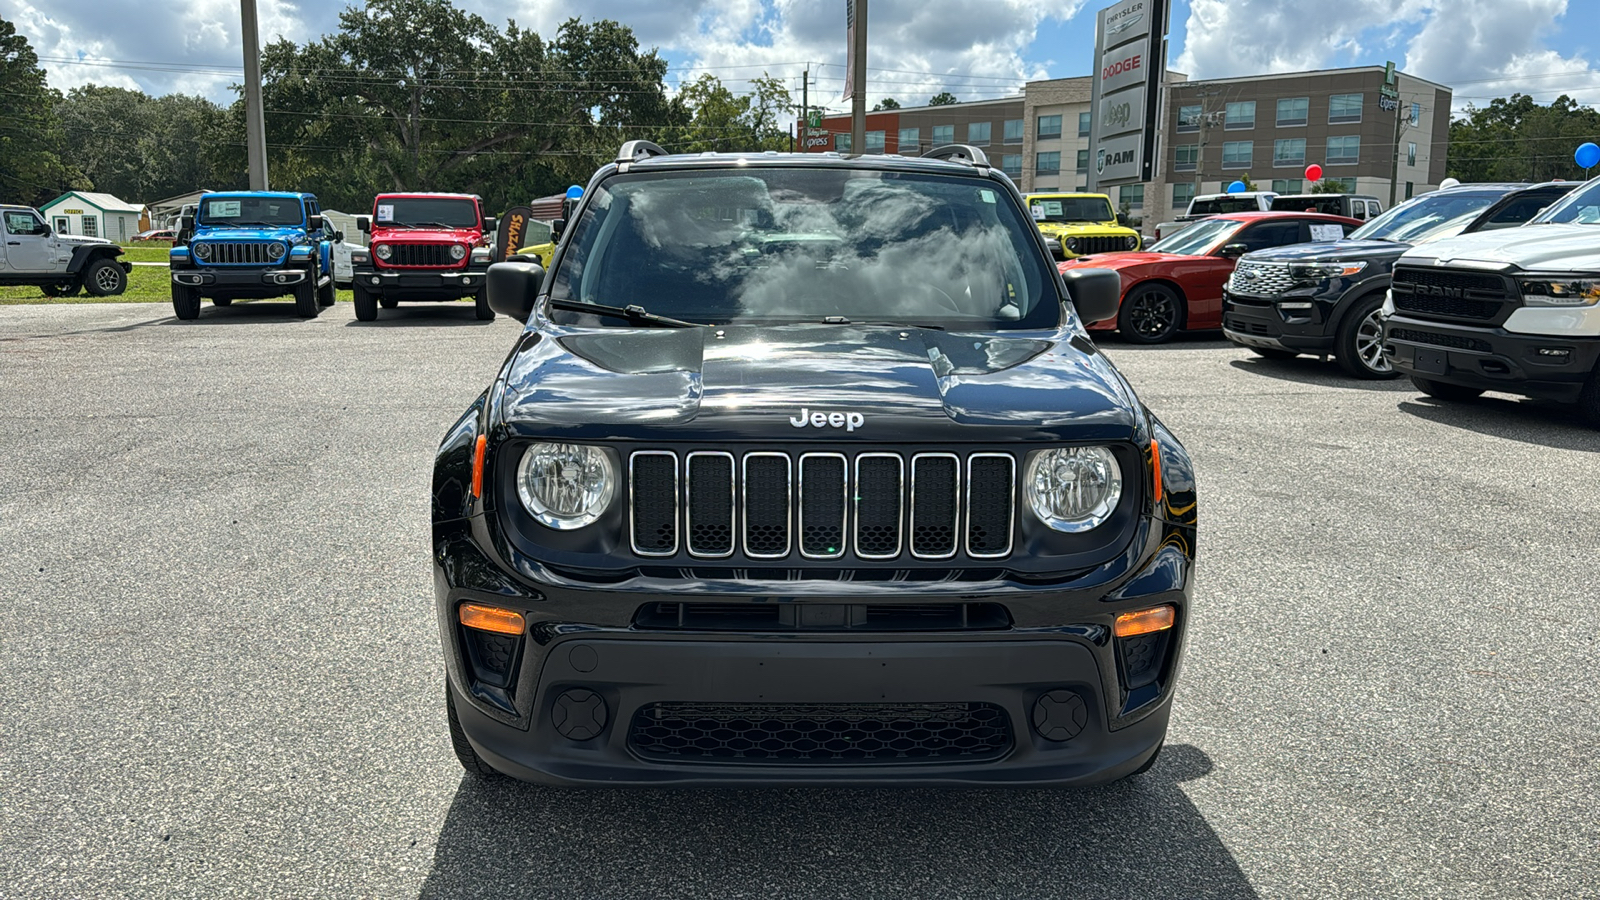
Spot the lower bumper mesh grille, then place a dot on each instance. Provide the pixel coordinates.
(820, 734)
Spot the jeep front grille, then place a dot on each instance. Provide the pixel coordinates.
(239, 253)
(1260, 278)
(874, 506)
(1083, 246)
(1448, 293)
(419, 255)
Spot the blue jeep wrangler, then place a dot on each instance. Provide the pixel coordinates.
(253, 245)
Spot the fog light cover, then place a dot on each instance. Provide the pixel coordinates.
(1073, 489)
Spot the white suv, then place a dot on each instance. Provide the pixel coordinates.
(60, 264)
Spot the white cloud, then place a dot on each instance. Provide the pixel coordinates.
(1226, 38)
(1494, 48)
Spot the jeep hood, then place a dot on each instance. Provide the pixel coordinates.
(1074, 229)
(750, 382)
(78, 240)
(426, 235)
(1542, 248)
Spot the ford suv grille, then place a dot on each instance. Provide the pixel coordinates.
(770, 505)
(1260, 278)
(1448, 293)
(239, 253)
(406, 255)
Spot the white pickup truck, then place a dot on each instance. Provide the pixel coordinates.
(1207, 205)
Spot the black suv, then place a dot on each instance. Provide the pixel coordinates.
(1324, 298)
(805, 470)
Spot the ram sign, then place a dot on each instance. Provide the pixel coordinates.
(1130, 65)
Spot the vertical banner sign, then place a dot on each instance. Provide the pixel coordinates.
(513, 226)
(1126, 99)
(849, 54)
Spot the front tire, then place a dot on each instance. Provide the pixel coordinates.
(327, 294)
(1150, 314)
(470, 760)
(185, 302)
(480, 302)
(366, 303)
(1359, 347)
(305, 297)
(1440, 390)
(105, 278)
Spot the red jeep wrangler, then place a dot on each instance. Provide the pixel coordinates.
(424, 247)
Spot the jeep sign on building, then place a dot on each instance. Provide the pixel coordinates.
(1130, 60)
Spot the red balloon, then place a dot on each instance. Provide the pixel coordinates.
(1313, 172)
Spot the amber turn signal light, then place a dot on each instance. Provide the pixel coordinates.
(491, 618)
(477, 465)
(1144, 621)
(1155, 467)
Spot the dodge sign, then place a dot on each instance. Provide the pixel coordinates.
(1130, 65)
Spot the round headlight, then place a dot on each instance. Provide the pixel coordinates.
(1072, 244)
(277, 249)
(1073, 489)
(566, 486)
(202, 251)
(383, 251)
(457, 251)
(1132, 242)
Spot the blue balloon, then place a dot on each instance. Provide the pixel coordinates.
(575, 191)
(1588, 155)
(1238, 186)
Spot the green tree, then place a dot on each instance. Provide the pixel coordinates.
(1516, 139)
(886, 103)
(717, 119)
(943, 98)
(1328, 186)
(142, 148)
(32, 169)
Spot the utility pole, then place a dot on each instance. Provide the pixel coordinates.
(255, 126)
(857, 13)
(805, 110)
(1394, 172)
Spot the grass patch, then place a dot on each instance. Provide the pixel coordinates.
(146, 253)
(146, 284)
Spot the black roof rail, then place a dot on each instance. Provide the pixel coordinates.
(633, 151)
(965, 152)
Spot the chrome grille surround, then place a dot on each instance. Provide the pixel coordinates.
(1262, 279)
(844, 504)
(239, 253)
(688, 508)
(788, 512)
(955, 505)
(856, 506)
(633, 528)
(1012, 500)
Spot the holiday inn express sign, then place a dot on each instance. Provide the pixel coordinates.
(1130, 65)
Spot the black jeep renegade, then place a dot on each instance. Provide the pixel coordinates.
(805, 471)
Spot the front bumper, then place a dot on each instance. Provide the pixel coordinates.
(240, 278)
(1306, 326)
(420, 284)
(1491, 359)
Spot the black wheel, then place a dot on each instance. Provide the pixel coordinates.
(366, 303)
(1589, 401)
(327, 294)
(185, 302)
(480, 302)
(1151, 313)
(470, 760)
(105, 278)
(388, 303)
(221, 301)
(61, 290)
(305, 297)
(1440, 390)
(1273, 353)
(1359, 346)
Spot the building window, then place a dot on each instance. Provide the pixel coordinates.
(1288, 185)
(1341, 185)
(1345, 150)
(1344, 108)
(1049, 128)
(91, 226)
(1237, 154)
(841, 143)
(1181, 195)
(1411, 188)
(1189, 118)
(874, 142)
(1085, 121)
(910, 140)
(1013, 131)
(1188, 158)
(1083, 160)
(1241, 114)
(1047, 163)
(1011, 164)
(944, 134)
(1132, 196)
(978, 133)
(1411, 154)
(1416, 113)
(1293, 111)
(1289, 152)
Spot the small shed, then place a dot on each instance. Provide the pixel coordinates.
(165, 213)
(93, 215)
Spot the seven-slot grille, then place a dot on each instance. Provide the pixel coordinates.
(874, 505)
(1447, 293)
(1083, 246)
(419, 255)
(239, 253)
(1259, 278)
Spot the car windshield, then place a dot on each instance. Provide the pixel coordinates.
(450, 212)
(811, 244)
(1071, 209)
(1429, 217)
(1198, 239)
(221, 212)
(1332, 204)
(1581, 207)
(1214, 206)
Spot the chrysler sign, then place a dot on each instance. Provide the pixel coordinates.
(1130, 65)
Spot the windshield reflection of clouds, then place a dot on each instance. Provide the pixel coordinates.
(1198, 239)
(1426, 218)
(1581, 207)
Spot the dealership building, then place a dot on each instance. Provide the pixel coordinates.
(1366, 128)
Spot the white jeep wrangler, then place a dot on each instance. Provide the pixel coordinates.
(60, 264)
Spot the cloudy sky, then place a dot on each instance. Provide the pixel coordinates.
(1481, 48)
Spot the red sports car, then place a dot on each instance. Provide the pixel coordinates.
(1176, 285)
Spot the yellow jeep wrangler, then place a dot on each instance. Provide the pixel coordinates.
(1081, 224)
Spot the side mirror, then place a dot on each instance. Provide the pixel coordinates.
(1233, 251)
(490, 223)
(314, 223)
(1096, 293)
(556, 227)
(364, 224)
(513, 287)
(186, 224)
(338, 237)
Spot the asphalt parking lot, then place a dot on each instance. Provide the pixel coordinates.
(222, 676)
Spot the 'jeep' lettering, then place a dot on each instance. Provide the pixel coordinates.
(1121, 66)
(847, 421)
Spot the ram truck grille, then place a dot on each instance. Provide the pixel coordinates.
(1448, 293)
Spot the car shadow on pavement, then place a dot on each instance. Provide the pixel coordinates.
(1543, 423)
(241, 312)
(1138, 838)
(1183, 340)
(1310, 370)
(444, 314)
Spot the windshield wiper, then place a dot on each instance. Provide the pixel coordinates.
(631, 313)
(247, 224)
(841, 320)
(430, 225)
